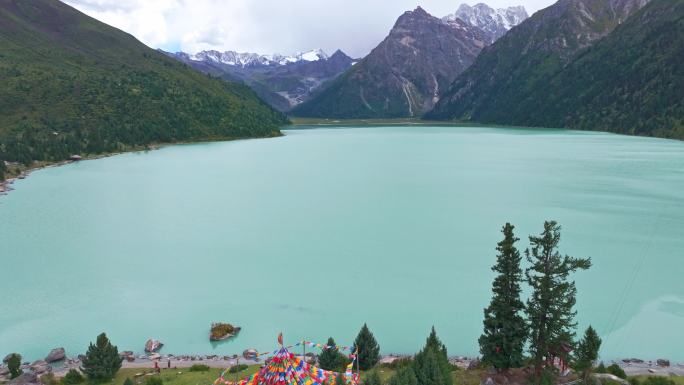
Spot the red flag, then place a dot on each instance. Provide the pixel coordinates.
(280, 338)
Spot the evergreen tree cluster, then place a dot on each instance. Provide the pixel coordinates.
(429, 367)
(547, 320)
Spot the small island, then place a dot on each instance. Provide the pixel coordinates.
(222, 331)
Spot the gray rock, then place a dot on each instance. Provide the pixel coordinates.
(25, 379)
(40, 367)
(488, 381)
(152, 346)
(55, 355)
(663, 363)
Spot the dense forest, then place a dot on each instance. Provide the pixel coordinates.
(557, 69)
(73, 85)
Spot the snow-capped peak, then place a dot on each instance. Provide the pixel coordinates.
(495, 22)
(247, 59)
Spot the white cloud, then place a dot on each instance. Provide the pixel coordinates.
(266, 26)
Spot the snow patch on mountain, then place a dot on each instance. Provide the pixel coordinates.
(248, 59)
(495, 22)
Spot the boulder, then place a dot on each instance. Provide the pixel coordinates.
(488, 381)
(663, 363)
(250, 354)
(25, 379)
(152, 346)
(7, 357)
(55, 355)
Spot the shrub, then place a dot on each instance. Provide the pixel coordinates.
(14, 365)
(48, 379)
(617, 371)
(154, 380)
(656, 380)
(73, 377)
(199, 368)
(372, 378)
(128, 381)
(237, 368)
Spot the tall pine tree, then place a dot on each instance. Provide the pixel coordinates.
(550, 310)
(102, 360)
(368, 349)
(504, 335)
(587, 353)
(431, 365)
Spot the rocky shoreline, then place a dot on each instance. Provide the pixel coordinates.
(6, 185)
(58, 363)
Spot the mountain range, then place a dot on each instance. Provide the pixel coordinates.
(71, 84)
(282, 81)
(590, 64)
(405, 75)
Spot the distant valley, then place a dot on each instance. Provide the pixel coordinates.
(282, 81)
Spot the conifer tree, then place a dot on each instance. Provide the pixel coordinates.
(550, 310)
(14, 365)
(587, 353)
(368, 349)
(501, 344)
(431, 365)
(330, 358)
(102, 360)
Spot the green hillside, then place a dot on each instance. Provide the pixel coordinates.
(630, 82)
(623, 74)
(73, 85)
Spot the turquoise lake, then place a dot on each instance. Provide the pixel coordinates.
(321, 230)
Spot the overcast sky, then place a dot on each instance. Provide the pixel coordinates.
(267, 26)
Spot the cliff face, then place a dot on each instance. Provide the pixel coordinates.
(405, 74)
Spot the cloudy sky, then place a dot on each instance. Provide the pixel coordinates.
(267, 26)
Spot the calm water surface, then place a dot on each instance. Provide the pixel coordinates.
(321, 230)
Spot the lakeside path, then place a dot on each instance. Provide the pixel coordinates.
(223, 362)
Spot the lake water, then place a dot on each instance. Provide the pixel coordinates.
(319, 231)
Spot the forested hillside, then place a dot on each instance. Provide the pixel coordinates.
(71, 84)
(586, 64)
